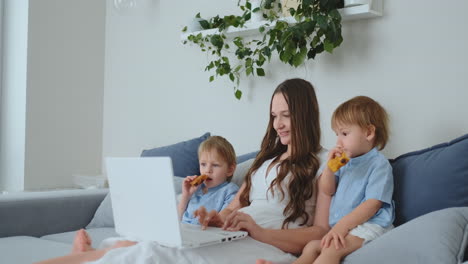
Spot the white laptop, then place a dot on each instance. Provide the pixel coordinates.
(145, 208)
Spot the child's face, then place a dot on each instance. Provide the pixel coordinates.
(281, 118)
(215, 167)
(354, 140)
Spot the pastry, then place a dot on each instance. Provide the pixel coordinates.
(198, 180)
(336, 163)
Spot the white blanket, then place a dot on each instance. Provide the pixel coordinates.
(241, 251)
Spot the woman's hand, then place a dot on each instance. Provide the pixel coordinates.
(206, 218)
(336, 236)
(187, 189)
(237, 220)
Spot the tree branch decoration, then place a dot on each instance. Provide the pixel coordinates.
(316, 28)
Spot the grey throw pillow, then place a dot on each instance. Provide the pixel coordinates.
(103, 216)
(437, 237)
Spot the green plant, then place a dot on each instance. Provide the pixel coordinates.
(316, 27)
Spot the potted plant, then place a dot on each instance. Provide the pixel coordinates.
(314, 27)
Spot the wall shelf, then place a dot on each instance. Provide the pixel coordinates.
(353, 10)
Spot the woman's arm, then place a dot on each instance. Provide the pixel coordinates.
(289, 240)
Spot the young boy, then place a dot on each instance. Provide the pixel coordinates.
(362, 208)
(217, 161)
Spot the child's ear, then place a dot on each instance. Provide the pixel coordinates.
(370, 133)
(231, 169)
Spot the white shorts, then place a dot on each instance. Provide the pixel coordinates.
(369, 232)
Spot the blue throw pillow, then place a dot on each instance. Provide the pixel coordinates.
(431, 179)
(184, 155)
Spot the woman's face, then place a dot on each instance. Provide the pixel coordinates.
(281, 118)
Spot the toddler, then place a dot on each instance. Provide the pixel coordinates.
(361, 208)
(217, 161)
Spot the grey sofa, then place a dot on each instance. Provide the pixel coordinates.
(431, 197)
(39, 225)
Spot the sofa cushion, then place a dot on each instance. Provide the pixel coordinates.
(26, 250)
(431, 179)
(241, 171)
(97, 236)
(184, 155)
(437, 237)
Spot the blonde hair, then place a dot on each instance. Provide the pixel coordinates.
(364, 112)
(222, 147)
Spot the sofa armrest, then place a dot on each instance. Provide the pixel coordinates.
(42, 213)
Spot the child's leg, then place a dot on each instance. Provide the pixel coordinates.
(331, 255)
(310, 253)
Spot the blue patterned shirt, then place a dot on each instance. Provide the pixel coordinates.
(217, 198)
(365, 177)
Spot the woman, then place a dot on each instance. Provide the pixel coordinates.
(275, 203)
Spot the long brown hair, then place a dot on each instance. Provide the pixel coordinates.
(303, 162)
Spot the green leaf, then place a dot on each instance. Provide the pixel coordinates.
(299, 58)
(248, 71)
(261, 29)
(217, 41)
(231, 76)
(260, 72)
(204, 24)
(328, 46)
(237, 69)
(198, 15)
(322, 22)
(211, 78)
(184, 29)
(248, 5)
(238, 94)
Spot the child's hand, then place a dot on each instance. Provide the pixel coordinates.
(335, 152)
(206, 218)
(336, 236)
(187, 188)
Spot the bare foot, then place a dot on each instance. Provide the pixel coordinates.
(123, 243)
(82, 242)
(262, 261)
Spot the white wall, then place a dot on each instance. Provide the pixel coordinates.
(412, 60)
(59, 127)
(13, 94)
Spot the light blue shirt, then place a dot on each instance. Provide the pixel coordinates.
(217, 198)
(365, 177)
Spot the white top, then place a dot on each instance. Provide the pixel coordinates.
(267, 208)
